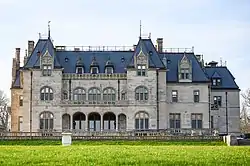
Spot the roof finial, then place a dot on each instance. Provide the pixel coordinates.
(140, 30)
(149, 36)
(48, 29)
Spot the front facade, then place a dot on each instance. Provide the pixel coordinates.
(142, 88)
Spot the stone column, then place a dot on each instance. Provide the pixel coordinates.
(116, 122)
(101, 122)
(86, 123)
(71, 122)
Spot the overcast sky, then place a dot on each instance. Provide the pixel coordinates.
(216, 28)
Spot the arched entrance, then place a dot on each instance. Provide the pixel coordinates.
(94, 121)
(65, 122)
(109, 121)
(79, 121)
(122, 122)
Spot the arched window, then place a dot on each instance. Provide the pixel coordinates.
(65, 95)
(94, 95)
(46, 93)
(141, 121)
(109, 95)
(141, 93)
(79, 94)
(46, 121)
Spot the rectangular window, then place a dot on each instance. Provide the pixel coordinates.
(184, 74)
(175, 120)
(20, 127)
(20, 100)
(196, 120)
(141, 70)
(94, 70)
(196, 96)
(212, 122)
(47, 70)
(123, 97)
(174, 96)
(216, 81)
(109, 70)
(79, 70)
(217, 100)
(137, 124)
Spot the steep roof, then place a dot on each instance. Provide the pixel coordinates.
(227, 79)
(41, 47)
(147, 47)
(173, 59)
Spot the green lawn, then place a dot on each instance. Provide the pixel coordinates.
(86, 155)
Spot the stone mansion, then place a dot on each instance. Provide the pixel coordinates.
(143, 87)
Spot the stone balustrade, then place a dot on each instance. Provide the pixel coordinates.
(100, 76)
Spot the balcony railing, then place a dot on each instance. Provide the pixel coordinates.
(117, 103)
(94, 48)
(89, 76)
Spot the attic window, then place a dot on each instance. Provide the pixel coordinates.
(79, 70)
(122, 59)
(141, 70)
(47, 69)
(184, 74)
(66, 59)
(109, 70)
(94, 70)
(216, 82)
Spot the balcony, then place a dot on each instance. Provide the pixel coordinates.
(118, 103)
(100, 76)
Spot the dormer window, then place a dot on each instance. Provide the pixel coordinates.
(184, 74)
(141, 70)
(79, 70)
(109, 70)
(216, 81)
(47, 70)
(94, 70)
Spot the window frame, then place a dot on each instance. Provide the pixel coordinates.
(79, 94)
(141, 93)
(47, 70)
(94, 95)
(141, 70)
(141, 120)
(216, 82)
(196, 122)
(46, 93)
(175, 123)
(196, 94)
(174, 96)
(109, 95)
(216, 101)
(46, 121)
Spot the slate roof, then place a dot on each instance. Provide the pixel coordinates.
(121, 60)
(227, 79)
(173, 59)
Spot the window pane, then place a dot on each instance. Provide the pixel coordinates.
(141, 124)
(193, 124)
(146, 123)
(137, 124)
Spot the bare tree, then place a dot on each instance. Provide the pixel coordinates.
(4, 111)
(244, 115)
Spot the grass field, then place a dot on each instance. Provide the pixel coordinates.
(92, 153)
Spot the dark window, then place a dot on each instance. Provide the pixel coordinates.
(196, 121)
(65, 95)
(79, 94)
(123, 96)
(217, 100)
(141, 70)
(46, 121)
(109, 70)
(79, 70)
(141, 93)
(175, 120)
(47, 70)
(46, 93)
(174, 96)
(94, 70)
(184, 73)
(20, 100)
(141, 121)
(216, 81)
(109, 96)
(94, 96)
(196, 96)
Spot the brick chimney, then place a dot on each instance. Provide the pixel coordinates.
(17, 58)
(30, 47)
(159, 44)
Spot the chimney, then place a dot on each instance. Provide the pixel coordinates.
(13, 70)
(30, 47)
(159, 44)
(17, 58)
(25, 57)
